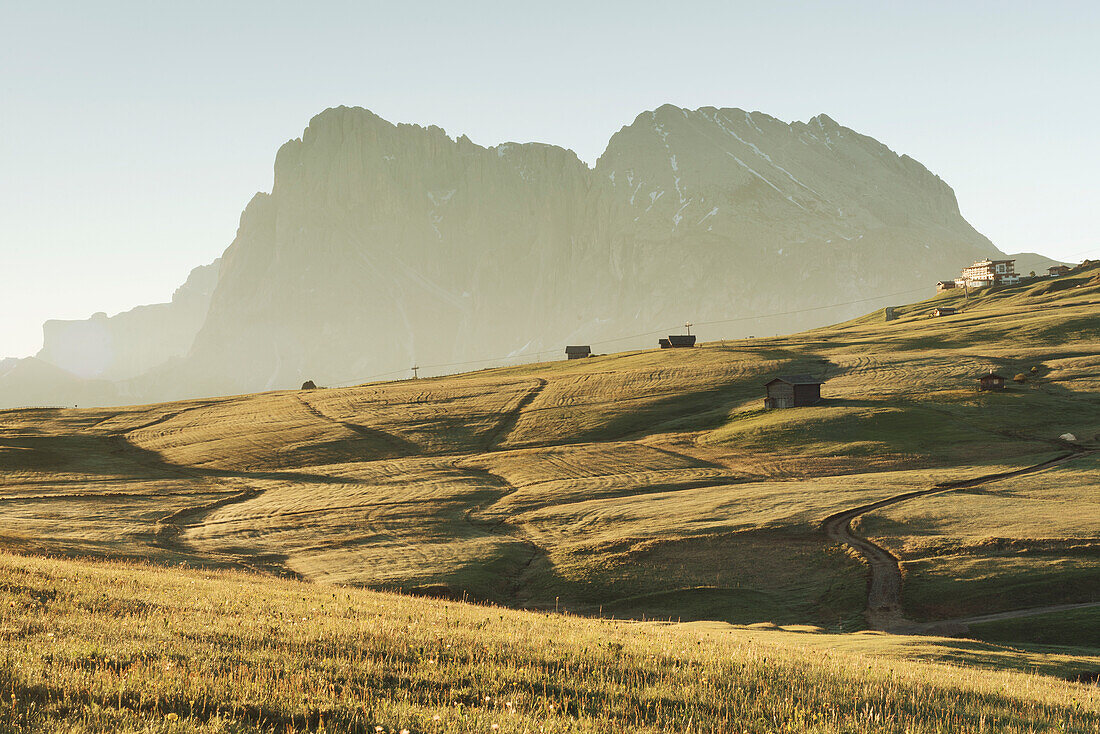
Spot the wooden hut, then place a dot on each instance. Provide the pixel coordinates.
(578, 351)
(792, 391)
(678, 341)
(991, 381)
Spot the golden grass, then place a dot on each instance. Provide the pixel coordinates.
(649, 481)
(95, 647)
(1049, 506)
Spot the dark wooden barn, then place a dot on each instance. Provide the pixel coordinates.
(578, 351)
(991, 381)
(677, 342)
(792, 391)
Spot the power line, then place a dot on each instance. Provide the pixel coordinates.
(651, 332)
(1094, 248)
(813, 308)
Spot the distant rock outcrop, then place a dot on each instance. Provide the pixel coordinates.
(34, 383)
(382, 246)
(131, 343)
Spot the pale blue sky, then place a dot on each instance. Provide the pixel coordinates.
(132, 134)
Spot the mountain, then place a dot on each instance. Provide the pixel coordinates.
(1028, 262)
(34, 383)
(131, 343)
(381, 246)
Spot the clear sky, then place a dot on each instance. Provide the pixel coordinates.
(132, 134)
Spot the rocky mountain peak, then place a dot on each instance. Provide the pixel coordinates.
(384, 245)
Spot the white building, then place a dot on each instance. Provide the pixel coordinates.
(988, 272)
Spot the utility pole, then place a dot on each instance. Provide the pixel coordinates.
(414, 369)
(687, 325)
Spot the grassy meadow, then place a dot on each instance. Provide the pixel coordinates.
(116, 647)
(645, 484)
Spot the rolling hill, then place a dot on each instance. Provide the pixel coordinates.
(642, 483)
(681, 559)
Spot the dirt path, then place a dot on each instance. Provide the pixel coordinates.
(884, 585)
(1018, 613)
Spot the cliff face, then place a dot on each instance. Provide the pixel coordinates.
(721, 213)
(383, 245)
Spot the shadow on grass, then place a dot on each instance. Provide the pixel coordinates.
(701, 410)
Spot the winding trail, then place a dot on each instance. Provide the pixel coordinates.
(884, 610)
(1018, 613)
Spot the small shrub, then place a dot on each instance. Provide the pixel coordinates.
(1020, 378)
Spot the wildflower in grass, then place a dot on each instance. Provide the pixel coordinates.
(494, 727)
(437, 717)
(172, 716)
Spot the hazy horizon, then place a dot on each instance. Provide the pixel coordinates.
(140, 134)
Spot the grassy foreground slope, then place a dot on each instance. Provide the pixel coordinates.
(647, 483)
(110, 647)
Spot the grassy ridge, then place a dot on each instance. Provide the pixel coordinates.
(112, 647)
